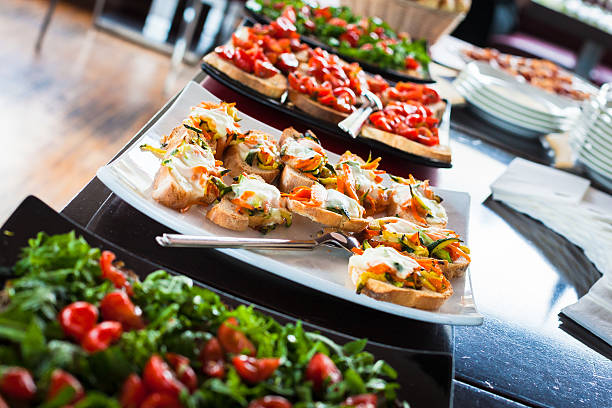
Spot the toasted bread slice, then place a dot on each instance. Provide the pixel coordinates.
(291, 178)
(455, 269)
(421, 299)
(437, 109)
(237, 166)
(169, 192)
(226, 215)
(326, 217)
(314, 108)
(438, 152)
(273, 87)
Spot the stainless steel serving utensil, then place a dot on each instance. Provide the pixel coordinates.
(334, 239)
(353, 123)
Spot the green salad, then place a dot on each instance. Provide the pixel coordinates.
(367, 39)
(78, 329)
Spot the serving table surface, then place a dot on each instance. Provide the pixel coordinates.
(522, 274)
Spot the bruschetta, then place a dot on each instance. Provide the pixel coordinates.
(385, 274)
(408, 91)
(305, 161)
(441, 244)
(254, 152)
(410, 127)
(415, 201)
(211, 122)
(188, 175)
(250, 202)
(362, 181)
(258, 56)
(326, 206)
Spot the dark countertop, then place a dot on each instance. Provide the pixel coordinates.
(522, 274)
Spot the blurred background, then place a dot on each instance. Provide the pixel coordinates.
(80, 77)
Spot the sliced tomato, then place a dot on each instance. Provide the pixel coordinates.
(101, 336)
(428, 137)
(211, 357)
(77, 319)
(321, 369)
(17, 383)
(225, 52)
(343, 104)
(161, 400)
(324, 12)
(233, 340)
(240, 42)
(133, 392)
(361, 401)
(337, 21)
(283, 28)
(411, 63)
(289, 13)
(255, 370)
(345, 91)
(351, 37)
(270, 401)
(158, 377)
(3, 403)
(376, 83)
(296, 45)
(379, 120)
(183, 371)
(309, 25)
(328, 99)
(287, 62)
(243, 61)
(60, 379)
(117, 306)
(111, 273)
(264, 69)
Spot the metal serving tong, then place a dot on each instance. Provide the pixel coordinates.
(353, 123)
(333, 239)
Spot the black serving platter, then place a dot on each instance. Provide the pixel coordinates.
(390, 74)
(425, 377)
(316, 123)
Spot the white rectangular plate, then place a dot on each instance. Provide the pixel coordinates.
(325, 269)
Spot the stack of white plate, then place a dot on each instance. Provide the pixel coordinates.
(518, 107)
(591, 138)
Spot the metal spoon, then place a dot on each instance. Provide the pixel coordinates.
(334, 239)
(353, 123)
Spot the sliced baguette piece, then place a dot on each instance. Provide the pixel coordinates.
(273, 87)
(225, 214)
(326, 217)
(291, 178)
(314, 108)
(170, 193)
(237, 166)
(420, 299)
(438, 152)
(455, 269)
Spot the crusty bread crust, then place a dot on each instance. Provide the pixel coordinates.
(314, 108)
(288, 133)
(291, 178)
(438, 152)
(225, 214)
(237, 166)
(168, 192)
(421, 299)
(273, 87)
(326, 217)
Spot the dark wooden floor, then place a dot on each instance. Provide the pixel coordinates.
(68, 110)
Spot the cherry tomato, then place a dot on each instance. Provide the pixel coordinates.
(411, 63)
(283, 28)
(233, 340)
(336, 21)
(133, 392)
(243, 61)
(254, 370)
(351, 37)
(287, 62)
(77, 319)
(111, 273)
(310, 25)
(321, 369)
(270, 401)
(290, 14)
(361, 401)
(60, 379)
(17, 382)
(211, 358)
(161, 400)
(324, 12)
(225, 52)
(3, 403)
(264, 69)
(159, 377)
(296, 45)
(117, 306)
(377, 84)
(101, 336)
(241, 42)
(328, 99)
(183, 371)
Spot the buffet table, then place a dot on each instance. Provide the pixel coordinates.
(520, 356)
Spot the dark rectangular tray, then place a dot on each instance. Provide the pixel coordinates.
(389, 74)
(425, 377)
(316, 123)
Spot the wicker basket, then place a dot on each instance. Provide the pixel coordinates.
(408, 16)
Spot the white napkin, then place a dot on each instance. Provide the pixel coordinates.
(566, 204)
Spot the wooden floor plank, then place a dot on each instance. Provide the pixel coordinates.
(68, 110)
